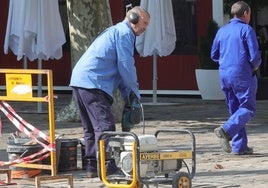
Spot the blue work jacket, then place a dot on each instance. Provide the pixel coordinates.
(235, 48)
(109, 62)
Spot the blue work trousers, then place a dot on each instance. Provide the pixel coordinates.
(241, 101)
(96, 117)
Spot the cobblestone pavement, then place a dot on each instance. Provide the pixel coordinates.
(214, 169)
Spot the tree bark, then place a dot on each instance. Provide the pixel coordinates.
(87, 18)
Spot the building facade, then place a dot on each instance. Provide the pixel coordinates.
(176, 72)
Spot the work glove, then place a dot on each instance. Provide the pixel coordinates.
(132, 112)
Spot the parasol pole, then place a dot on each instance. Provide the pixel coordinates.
(39, 86)
(24, 62)
(154, 77)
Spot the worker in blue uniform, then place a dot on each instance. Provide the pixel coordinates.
(108, 64)
(236, 49)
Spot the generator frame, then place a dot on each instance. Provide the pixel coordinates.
(177, 180)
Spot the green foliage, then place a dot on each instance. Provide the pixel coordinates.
(205, 44)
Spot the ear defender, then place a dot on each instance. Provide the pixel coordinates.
(133, 18)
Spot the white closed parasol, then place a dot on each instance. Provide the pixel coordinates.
(160, 37)
(34, 31)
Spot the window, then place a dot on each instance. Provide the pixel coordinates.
(185, 19)
(186, 26)
(65, 24)
(128, 4)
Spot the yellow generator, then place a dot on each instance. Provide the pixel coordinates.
(145, 159)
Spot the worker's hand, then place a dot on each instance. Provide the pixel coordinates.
(130, 98)
(255, 71)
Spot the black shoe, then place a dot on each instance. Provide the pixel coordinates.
(92, 174)
(118, 173)
(247, 151)
(224, 139)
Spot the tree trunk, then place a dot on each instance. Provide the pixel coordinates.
(86, 18)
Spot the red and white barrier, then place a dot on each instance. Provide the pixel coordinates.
(31, 132)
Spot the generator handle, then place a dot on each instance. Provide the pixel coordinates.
(113, 133)
(193, 146)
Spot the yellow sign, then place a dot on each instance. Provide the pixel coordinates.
(19, 85)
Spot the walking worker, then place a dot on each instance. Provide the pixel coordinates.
(106, 65)
(236, 49)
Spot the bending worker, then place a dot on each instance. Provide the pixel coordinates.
(108, 64)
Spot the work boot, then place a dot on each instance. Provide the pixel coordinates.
(247, 151)
(92, 174)
(118, 173)
(224, 139)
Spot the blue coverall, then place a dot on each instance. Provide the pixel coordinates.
(235, 48)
